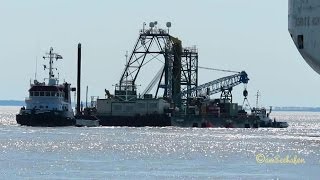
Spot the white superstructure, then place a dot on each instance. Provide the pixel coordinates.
(50, 96)
(304, 28)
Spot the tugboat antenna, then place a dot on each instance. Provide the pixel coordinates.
(35, 74)
(87, 97)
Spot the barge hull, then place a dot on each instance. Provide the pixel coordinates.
(218, 122)
(135, 121)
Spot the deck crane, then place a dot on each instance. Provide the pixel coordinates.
(220, 85)
(223, 85)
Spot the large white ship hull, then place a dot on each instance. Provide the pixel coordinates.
(304, 28)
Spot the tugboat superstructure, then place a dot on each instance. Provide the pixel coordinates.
(48, 104)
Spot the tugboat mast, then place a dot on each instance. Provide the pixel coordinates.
(50, 64)
(51, 56)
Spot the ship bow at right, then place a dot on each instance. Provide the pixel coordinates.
(304, 28)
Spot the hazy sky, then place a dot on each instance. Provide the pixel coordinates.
(238, 35)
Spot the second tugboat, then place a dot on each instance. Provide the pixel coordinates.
(48, 104)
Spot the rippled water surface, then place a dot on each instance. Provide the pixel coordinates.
(159, 153)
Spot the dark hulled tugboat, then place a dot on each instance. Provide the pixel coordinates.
(48, 104)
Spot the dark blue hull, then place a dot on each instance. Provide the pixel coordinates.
(48, 119)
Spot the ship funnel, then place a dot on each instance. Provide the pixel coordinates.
(78, 80)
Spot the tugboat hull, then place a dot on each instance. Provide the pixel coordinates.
(49, 119)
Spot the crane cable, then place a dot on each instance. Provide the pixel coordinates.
(222, 70)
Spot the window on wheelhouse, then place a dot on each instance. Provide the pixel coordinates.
(47, 93)
(300, 42)
(41, 93)
(36, 93)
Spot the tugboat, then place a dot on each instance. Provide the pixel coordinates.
(48, 104)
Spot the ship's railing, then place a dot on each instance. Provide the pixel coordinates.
(192, 49)
(153, 31)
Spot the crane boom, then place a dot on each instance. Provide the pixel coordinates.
(219, 85)
(153, 82)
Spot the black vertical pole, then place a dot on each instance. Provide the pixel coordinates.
(87, 97)
(78, 80)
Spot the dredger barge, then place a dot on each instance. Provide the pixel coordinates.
(173, 97)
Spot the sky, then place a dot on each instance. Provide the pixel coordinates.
(235, 35)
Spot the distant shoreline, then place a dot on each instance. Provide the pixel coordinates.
(11, 103)
(297, 109)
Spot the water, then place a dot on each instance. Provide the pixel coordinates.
(159, 153)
